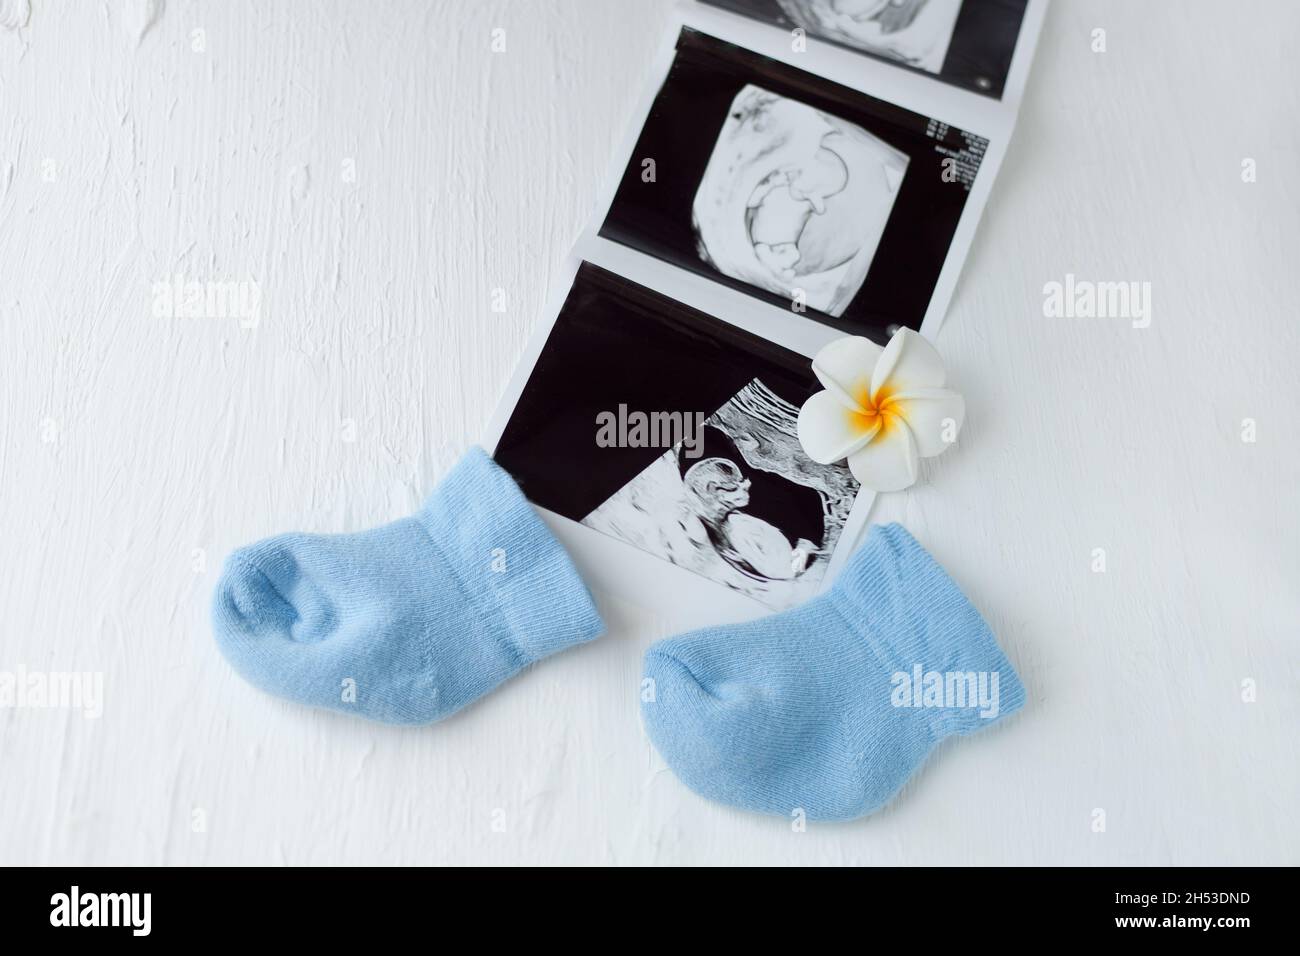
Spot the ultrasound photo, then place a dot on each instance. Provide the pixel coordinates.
(696, 514)
(740, 504)
(793, 189)
(795, 199)
(968, 43)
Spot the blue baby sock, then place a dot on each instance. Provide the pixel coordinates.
(409, 622)
(828, 708)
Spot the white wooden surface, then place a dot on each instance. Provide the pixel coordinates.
(135, 450)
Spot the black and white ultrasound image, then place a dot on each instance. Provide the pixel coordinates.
(794, 190)
(745, 508)
(968, 43)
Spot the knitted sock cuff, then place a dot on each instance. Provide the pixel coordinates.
(506, 559)
(918, 622)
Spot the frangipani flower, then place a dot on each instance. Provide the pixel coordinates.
(883, 409)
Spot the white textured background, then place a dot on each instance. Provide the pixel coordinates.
(177, 440)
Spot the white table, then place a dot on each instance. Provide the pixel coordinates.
(135, 451)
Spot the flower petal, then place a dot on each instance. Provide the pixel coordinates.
(934, 415)
(829, 432)
(889, 462)
(909, 361)
(844, 367)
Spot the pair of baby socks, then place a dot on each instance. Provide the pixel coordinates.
(827, 708)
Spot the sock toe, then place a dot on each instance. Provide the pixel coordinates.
(703, 728)
(675, 712)
(268, 592)
(673, 684)
(248, 602)
(267, 613)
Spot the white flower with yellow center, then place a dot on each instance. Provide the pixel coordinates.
(884, 409)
